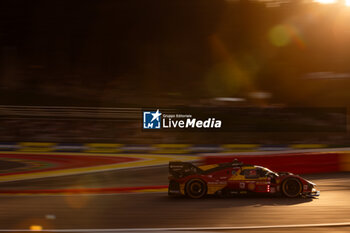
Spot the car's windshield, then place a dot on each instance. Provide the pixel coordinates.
(263, 171)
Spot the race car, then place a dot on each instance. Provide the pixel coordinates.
(235, 178)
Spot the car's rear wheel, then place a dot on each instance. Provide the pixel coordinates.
(196, 188)
(292, 187)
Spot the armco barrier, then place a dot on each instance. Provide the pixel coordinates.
(298, 163)
(150, 148)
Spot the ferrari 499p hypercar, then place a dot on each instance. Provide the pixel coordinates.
(235, 178)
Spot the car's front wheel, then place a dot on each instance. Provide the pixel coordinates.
(196, 188)
(292, 187)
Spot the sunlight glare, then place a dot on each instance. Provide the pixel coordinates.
(326, 1)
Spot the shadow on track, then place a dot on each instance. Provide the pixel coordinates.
(237, 201)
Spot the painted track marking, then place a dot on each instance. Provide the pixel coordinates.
(145, 160)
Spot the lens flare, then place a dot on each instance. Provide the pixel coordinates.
(279, 36)
(284, 34)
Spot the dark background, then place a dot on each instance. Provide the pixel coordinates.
(122, 53)
(156, 53)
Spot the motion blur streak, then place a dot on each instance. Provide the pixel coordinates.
(122, 211)
(342, 224)
(76, 78)
(228, 75)
(326, 1)
(35, 228)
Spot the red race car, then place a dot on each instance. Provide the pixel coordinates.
(226, 179)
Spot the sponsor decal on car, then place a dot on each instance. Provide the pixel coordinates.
(242, 185)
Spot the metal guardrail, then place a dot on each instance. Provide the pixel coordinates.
(70, 112)
(214, 149)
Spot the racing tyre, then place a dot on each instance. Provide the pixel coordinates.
(292, 187)
(196, 188)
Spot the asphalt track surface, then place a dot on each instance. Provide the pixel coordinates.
(157, 175)
(157, 210)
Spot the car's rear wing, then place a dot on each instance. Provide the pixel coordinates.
(180, 169)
